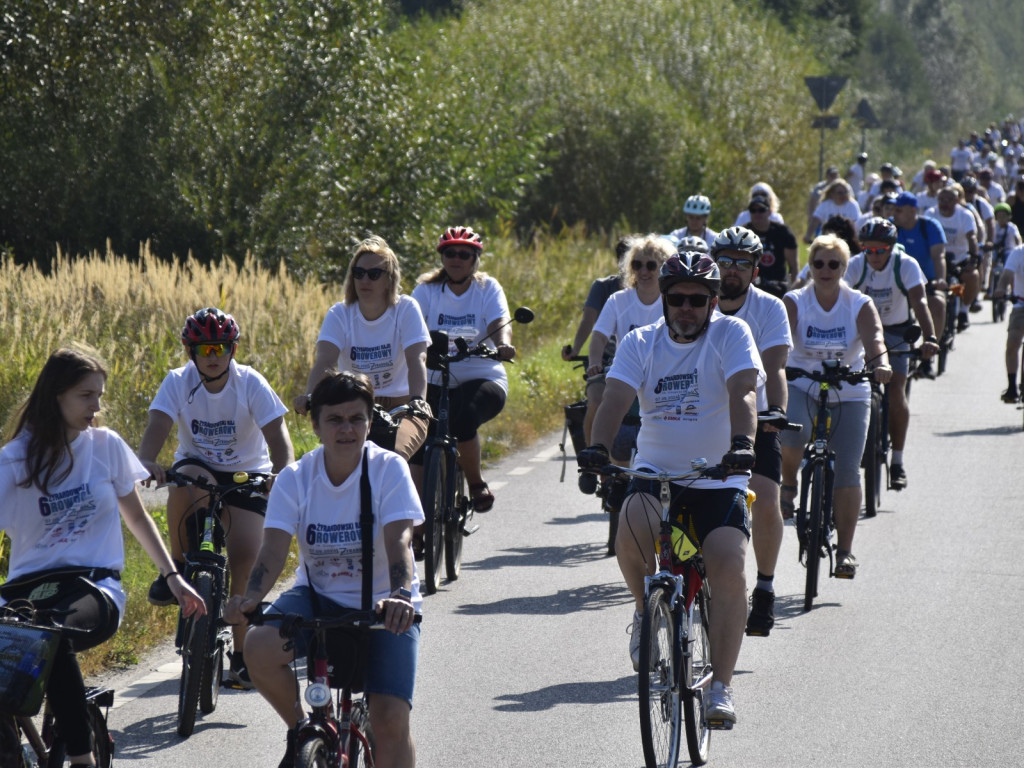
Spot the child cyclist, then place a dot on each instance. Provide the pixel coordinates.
(64, 480)
(229, 418)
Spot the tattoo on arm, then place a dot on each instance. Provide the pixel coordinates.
(259, 571)
(400, 575)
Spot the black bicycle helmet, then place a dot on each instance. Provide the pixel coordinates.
(690, 267)
(738, 239)
(879, 230)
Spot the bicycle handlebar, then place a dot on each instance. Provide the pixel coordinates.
(833, 373)
(255, 482)
(292, 623)
(700, 470)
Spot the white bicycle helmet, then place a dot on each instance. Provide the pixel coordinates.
(697, 205)
(737, 239)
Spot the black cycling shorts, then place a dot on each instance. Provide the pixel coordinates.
(768, 455)
(242, 500)
(699, 511)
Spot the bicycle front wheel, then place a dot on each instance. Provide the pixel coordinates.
(815, 533)
(312, 753)
(873, 461)
(696, 668)
(434, 492)
(658, 686)
(361, 738)
(193, 658)
(458, 520)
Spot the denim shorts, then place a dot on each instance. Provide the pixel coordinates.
(391, 669)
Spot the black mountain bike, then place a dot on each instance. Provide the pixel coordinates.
(205, 641)
(447, 508)
(954, 296)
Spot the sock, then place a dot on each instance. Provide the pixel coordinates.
(897, 457)
(1011, 379)
(765, 582)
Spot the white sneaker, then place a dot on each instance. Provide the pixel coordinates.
(718, 707)
(634, 640)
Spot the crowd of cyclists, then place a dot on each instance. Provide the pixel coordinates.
(691, 335)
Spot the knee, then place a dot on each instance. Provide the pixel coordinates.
(264, 648)
(389, 718)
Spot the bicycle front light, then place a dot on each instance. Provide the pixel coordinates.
(318, 695)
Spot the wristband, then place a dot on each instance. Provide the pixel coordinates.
(172, 573)
(741, 442)
(933, 339)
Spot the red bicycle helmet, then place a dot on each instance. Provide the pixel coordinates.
(210, 325)
(460, 236)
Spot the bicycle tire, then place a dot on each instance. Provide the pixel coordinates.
(193, 658)
(103, 742)
(658, 685)
(458, 519)
(814, 533)
(696, 670)
(871, 461)
(433, 526)
(213, 673)
(312, 753)
(356, 746)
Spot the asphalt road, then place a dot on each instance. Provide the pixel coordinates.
(917, 662)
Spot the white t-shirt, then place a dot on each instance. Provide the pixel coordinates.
(926, 202)
(708, 236)
(78, 522)
(376, 347)
(1015, 264)
(222, 429)
(765, 315)
(324, 518)
(960, 159)
(957, 227)
(984, 207)
(822, 335)
(856, 176)
(684, 400)
(827, 209)
(1007, 237)
(892, 305)
(996, 193)
(624, 311)
(466, 316)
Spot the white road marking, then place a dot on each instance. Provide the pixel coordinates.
(520, 471)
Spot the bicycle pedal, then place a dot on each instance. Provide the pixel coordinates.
(757, 633)
(721, 725)
(466, 532)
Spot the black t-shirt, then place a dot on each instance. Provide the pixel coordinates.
(601, 289)
(776, 241)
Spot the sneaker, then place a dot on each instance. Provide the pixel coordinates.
(762, 613)
(239, 673)
(897, 477)
(846, 566)
(924, 370)
(718, 708)
(962, 323)
(160, 593)
(1010, 396)
(633, 630)
(288, 761)
(976, 306)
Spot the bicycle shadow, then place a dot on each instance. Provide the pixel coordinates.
(1005, 429)
(604, 692)
(592, 597)
(576, 554)
(593, 517)
(788, 607)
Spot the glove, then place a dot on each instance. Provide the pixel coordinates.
(593, 457)
(775, 416)
(740, 457)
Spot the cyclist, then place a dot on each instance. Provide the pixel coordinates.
(961, 230)
(984, 217)
(228, 417)
(737, 252)
(814, 199)
(64, 479)
(318, 501)
(696, 374)
(762, 189)
(779, 247)
(466, 303)
(377, 331)
(1006, 238)
(896, 285)
(697, 209)
(836, 199)
(829, 319)
(1012, 280)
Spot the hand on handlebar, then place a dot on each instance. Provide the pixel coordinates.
(740, 457)
(882, 373)
(398, 614)
(773, 420)
(236, 608)
(929, 349)
(593, 457)
(301, 404)
(156, 473)
(568, 353)
(505, 352)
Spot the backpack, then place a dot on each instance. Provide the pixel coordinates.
(896, 251)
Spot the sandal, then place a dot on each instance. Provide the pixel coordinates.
(788, 509)
(846, 566)
(481, 496)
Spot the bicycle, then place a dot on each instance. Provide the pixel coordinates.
(204, 641)
(447, 508)
(23, 744)
(954, 295)
(994, 273)
(675, 646)
(337, 733)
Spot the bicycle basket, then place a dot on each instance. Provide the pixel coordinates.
(26, 658)
(383, 429)
(348, 651)
(574, 415)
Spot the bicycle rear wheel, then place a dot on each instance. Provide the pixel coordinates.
(458, 520)
(434, 492)
(815, 533)
(873, 460)
(356, 746)
(193, 657)
(659, 682)
(696, 669)
(102, 740)
(312, 753)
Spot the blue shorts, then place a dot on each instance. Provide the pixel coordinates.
(391, 668)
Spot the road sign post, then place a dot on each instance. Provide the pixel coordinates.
(824, 90)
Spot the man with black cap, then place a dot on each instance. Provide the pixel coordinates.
(780, 248)
(923, 238)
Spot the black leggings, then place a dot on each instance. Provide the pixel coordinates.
(472, 403)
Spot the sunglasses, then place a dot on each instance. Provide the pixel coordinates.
(373, 273)
(875, 251)
(725, 262)
(759, 210)
(832, 264)
(682, 299)
(637, 265)
(211, 350)
(451, 253)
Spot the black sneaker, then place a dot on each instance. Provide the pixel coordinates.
(288, 761)
(1010, 396)
(962, 323)
(239, 673)
(762, 613)
(160, 593)
(897, 477)
(976, 306)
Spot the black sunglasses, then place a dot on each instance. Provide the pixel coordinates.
(681, 299)
(637, 265)
(451, 253)
(832, 264)
(728, 261)
(373, 273)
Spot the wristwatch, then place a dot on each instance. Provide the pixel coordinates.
(402, 594)
(932, 339)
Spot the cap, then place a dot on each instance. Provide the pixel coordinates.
(933, 175)
(761, 200)
(831, 171)
(886, 167)
(905, 200)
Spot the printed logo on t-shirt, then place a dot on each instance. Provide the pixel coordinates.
(66, 514)
(825, 338)
(333, 550)
(458, 327)
(678, 396)
(371, 358)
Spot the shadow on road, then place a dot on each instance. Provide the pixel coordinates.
(576, 554)
(609, 691)
(594, 517)
(594, 597)
(1008, 429)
